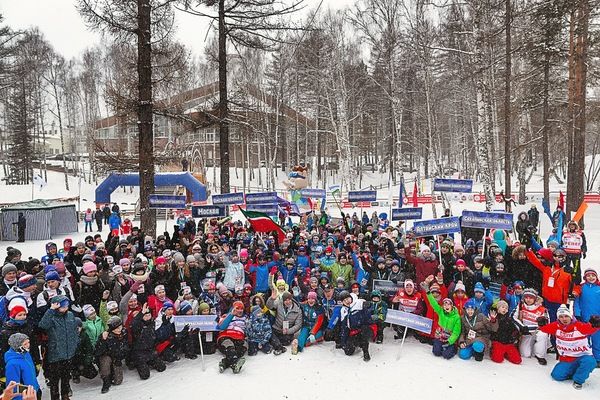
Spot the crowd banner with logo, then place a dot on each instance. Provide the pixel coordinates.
(407, 213)
(313, 193)
(387, 287)
(357, 196)
(438, 226)
(269, 209)
(208, 211)
(166, 201)
(453, 185)
(228, 199)
(412, 321)
(261, 198)
(487, 220)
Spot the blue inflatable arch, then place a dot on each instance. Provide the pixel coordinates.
(110, 184)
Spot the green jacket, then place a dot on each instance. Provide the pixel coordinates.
(337, 270)
(94, 329)
(448, 321)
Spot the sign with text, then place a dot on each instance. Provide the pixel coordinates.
(367, 195)
(166, 201)
(387, 287)
(261, 198)
(313, 193)
(269, 209)
(228, 199)
(453, 185)
(412, 321)
(438, 226)
(208, 211)
(487, 220)
(407, 213)
(204, 323)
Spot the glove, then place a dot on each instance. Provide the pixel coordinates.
(185, 329)
(425, 286)
(583, 255)
(273, 271)
(38, 368)
(571, 297)
(134, 288)
(595, 321)
(312, 338)
(276, 256)
(524, 331)
(542, 321)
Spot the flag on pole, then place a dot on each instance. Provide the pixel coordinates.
(546, 207)
(335, 190)
(401, 194)
(415, 198)
(263, 223)
(580, 211)
(561, 200)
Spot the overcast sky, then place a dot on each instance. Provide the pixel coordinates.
(63, 27)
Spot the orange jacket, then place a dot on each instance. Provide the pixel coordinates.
(558, 290)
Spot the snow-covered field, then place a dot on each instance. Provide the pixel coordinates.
(322, 372)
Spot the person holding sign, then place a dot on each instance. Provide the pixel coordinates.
(232, 338)
(408, 300)
(449, 326)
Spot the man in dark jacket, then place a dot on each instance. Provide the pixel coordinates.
(60, 325)
(355, 324)
(534, 216)
(106, 213)
(143, 353)
(98, 216)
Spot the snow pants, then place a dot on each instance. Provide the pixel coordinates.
(59, 374)
(303, 337)
(441, 349)
(467, 352)
(500, 351)
(111, 368)
(578, 370)
(537, 343)
(596, 345)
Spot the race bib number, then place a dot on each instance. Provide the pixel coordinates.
(471, 335)
(209, 336)
(551, 282)
(286, 325)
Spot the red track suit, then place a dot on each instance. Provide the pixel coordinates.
(536, 341)
(503, 341)
(575, 354)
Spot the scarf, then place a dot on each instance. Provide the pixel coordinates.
(140, 278)
(89, 280)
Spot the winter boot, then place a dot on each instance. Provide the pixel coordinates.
(366, 356)
(223, 365)
(478, 356)
(105, 385)
(237, 367)
(279, 351)
(577, 386)
(191, 356)
(295, 346)
(541, 360)
(267, 348)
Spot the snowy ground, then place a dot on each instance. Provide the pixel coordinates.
(322, 372)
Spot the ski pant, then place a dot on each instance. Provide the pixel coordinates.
(578, 370)
(467, 352)
(88, 224)
(232, 349)
(303, 337)
(441, 349)
(111, 368)
(278, 339)
(59, 374)
(575, 261)
(99, 225)
(146, 359)
(552, 308)
(537, 343)
(500, 351)
(596, 345)
(360, 339)
(380, 327)
(333, 335)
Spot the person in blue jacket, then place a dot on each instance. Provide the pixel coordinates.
(587, 303)
(19, 364)
(483, 299)
(513, 298)
(313, 317)
(114, 222)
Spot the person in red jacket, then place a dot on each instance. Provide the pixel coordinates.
(572, 344)
(408, 300)
(425, 263)
(156, 300)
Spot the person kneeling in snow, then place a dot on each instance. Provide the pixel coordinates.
(572, 344)
(448, 330)
(355, 324)
(475, 332)
(143, 353)
(313, 317)
(505, 337)
(232, 338)
(258, 332)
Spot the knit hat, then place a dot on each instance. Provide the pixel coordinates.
(16, 310)
(60, 299)
(111, 305)
(52, 276)
(89, 267)
(458, 247)
(589, 270)
(546, 254)
(471, 304)
(87, 257)
(203, 307)
(423, 248)
(158, 288)
(459, 286)
(137, 267)
(280, 282)
(26, 281)
(238, 305)
(434, 287)
(184, 307)
(160, 260)
(166, 305)
(244, 253)
(311, 295)
(88, 310)
(479, 288)
(8, 267)
(117, 269)
(178, 257)
(530, 292)
(409, 282)
(461, 262)
(448, 300)
(114, 322)
(190, 259)
(563, 310)
(124, 261)
(166, 253)
(59, 266)
(16, 340)
(286, 296)
(501, 303)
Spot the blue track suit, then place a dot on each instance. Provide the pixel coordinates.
(586, 305)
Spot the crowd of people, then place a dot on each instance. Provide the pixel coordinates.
(107, 303)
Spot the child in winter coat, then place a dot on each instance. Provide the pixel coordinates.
(19, 364)
(576, 360)
(232, 338)
(408, 300)
(258, 332)
(459, 297)
(448, 331)
(483, 299)
(166, 345)
(526, 316)
(475, 332)
(111, 350)
(143, 353)
(83, 362)
(587, 303)
(378, 314)
(313, 317)
(504, 338)
(209, 343)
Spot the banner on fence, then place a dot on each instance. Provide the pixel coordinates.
(453, 185)
(407, 213)
(228, 199)
(166, 201)
(208, 211)
(367, 195)
(437, 226)
(261, 198)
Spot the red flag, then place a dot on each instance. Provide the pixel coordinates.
(263, 223)
(415, 198)
(561, 200)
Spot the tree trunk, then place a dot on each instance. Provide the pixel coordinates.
(546, 128)
(507, 111)
(223, 102)
(145, 123)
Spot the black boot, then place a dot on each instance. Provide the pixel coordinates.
(105, 385)
(366, 355)
(478, 356)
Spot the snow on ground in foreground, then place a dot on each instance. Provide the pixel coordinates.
(322, 372)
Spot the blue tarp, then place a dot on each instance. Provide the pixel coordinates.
(110, 184)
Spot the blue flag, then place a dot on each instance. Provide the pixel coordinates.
(546, 206)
